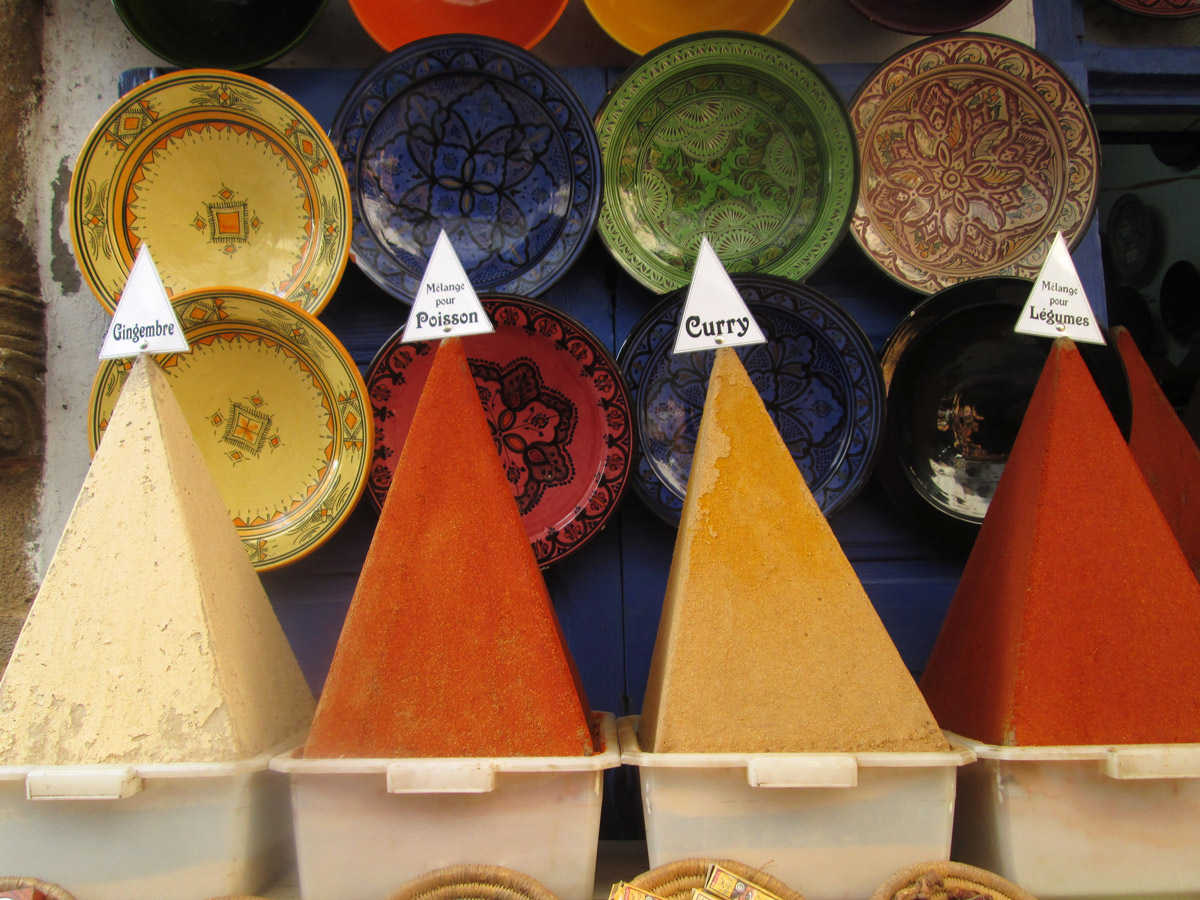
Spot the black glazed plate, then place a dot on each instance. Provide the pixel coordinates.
(959, 380)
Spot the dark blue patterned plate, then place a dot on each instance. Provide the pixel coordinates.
(480, 138)
(817, 374)
(559, 410)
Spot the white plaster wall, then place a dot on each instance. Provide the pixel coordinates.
(86, 47)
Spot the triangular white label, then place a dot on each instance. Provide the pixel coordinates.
(714, 314)
(446, 304)
(144, 320)
(1057, 305)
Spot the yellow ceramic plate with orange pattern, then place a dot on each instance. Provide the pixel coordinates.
(229, 182)
(275, 404)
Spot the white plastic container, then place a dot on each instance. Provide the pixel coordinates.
(366, 826)
(831, 826)
(1084, 821)
(162, 831)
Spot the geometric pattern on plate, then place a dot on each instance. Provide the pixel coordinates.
(732, 137)
(975, 150)
(480, 139)
(277, 409)
(226, 179)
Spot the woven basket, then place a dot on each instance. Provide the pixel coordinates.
(473, 882)
(52, 891)
(675, 880)
(941, 880)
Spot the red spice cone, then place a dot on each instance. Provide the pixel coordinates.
(451, 647)
(1077, 617)
(1164, 450)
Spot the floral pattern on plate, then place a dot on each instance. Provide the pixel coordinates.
(277, 408)
(975, 150)
(478, 138)
(558, 409)
(728, 136)
(228, 181)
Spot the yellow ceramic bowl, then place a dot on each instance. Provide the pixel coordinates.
(226, 179)
(277, 408)
(642, 25)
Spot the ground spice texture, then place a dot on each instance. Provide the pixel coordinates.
(1077, 617)
(1164, 450)
(767, 641)
(451, 647)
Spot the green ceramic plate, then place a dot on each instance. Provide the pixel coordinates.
(731, 136)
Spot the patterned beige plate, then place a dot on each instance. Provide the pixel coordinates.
(227, 180)
(276, 406)
(975, 150)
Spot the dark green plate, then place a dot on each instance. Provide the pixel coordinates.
(224, 34)
(731, 136)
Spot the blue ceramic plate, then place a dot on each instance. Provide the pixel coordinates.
(817, 375)
(478, 137)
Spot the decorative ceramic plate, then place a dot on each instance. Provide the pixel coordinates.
(641, 27)
(817, 375)
(959, 380)
(730, 136)
(218, 33)
(477, 137)
(1167, 9)
(975, 151)
(522, 22)
(923, 17)
(278, 410)
(226, 179)
(558, 407)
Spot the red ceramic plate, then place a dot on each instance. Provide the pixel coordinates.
(1167, 9)
(975, 150)
(559, 411)
(392, 24)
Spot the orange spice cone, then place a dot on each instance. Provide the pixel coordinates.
(767, 640)
(1077, 617)
(451, 647)
(1164, 450)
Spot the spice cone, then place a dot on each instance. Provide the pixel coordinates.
(151, 638)
(1164, 450)
(451, 647)
(1077, 616)
(767, 640)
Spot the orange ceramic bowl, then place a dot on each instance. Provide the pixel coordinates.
(642, 25)
(392, 23)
